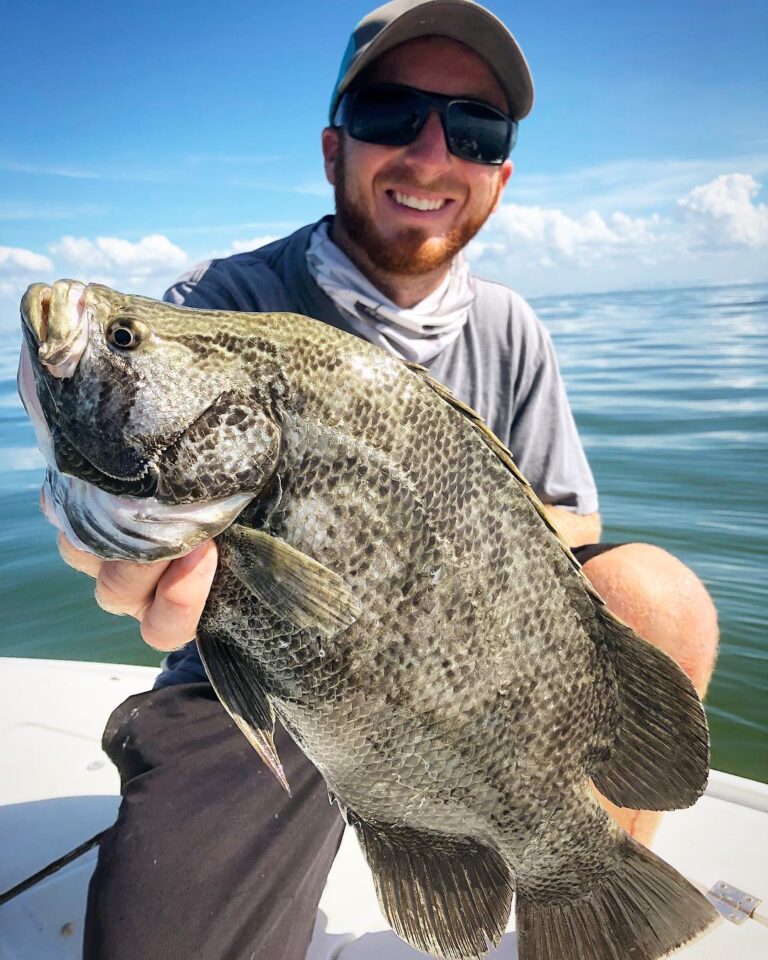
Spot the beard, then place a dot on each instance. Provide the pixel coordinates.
(410, 252)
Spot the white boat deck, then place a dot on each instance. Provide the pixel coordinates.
(59, 790)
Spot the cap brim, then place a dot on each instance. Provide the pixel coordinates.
(471, 25)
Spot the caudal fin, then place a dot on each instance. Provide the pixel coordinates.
(640, 909)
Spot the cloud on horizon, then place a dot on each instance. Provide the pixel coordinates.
(722, 213)
(138, 266)
(19, 268)
(15, 261)
(715, 232)
(720, 216)
(636, 186)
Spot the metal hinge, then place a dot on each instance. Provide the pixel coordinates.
(730, 902)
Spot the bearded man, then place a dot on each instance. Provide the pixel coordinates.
(209, 858)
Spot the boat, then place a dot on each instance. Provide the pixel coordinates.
(60, 791)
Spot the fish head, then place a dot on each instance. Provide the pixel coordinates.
(136, 401)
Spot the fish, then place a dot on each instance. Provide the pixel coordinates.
(389, 589)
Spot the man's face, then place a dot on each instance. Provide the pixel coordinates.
(378, 188)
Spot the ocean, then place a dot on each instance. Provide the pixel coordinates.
(670, 392)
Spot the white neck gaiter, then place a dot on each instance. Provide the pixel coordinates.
(418, 333)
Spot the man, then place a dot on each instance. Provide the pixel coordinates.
(209, 858)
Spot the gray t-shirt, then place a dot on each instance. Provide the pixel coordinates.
(502, 364)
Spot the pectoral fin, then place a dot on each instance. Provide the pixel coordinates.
(236, 682)
(295, 586)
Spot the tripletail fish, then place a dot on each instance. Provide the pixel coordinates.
(390, 590)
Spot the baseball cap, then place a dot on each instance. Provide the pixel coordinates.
(463, 20)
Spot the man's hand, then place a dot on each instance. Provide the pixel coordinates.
(166, 597)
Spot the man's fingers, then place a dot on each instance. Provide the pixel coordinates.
(171, 619)
(125, 587)
(167, 597)
(78, 559)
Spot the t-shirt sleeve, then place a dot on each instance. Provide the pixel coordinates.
(205, 288)
(543, 437)
(243, 283)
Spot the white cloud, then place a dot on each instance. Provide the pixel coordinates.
(523, 241)
(639, 186)
(146, 266)
(15, 261)
(243, 246)
(549, 236)
(240, 246)
(722, 212)
(146, 256)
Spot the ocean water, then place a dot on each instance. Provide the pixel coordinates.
(670, 391)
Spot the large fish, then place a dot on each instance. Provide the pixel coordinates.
(390, 590)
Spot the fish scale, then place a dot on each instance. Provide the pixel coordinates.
(394, 594)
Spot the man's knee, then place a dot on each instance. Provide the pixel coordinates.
(663, 600)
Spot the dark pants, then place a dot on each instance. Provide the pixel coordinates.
(209, 858)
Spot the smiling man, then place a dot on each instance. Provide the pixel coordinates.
(405, 210)
(209, 858)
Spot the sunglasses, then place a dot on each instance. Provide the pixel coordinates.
(393, 115)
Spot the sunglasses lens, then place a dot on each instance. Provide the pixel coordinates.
(393, 116)
(390, 117)
(477, 132)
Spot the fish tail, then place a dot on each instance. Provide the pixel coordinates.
(640, 907)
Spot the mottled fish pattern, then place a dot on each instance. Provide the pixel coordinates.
(393, 594)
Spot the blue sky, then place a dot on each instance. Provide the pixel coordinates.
(140, 138)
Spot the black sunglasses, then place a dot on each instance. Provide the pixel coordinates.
(393, 115)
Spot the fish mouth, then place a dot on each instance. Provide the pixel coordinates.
(58, 320)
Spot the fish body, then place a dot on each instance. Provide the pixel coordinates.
(390, 590)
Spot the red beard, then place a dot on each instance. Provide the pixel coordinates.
(410, 252)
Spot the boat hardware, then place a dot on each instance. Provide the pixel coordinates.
(733, 904)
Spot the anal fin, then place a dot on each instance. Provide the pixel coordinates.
(236, 683)
(448, 896)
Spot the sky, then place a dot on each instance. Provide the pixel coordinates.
(138, 139)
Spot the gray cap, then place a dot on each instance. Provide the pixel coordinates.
(462, 20)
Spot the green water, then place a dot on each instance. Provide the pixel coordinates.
(670, 390)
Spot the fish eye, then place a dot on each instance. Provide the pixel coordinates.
(125, 334)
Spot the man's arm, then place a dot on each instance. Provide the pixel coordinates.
(543, 436)
(576, 529)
